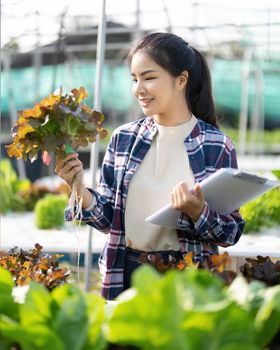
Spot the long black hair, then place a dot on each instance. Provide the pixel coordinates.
(175, 55)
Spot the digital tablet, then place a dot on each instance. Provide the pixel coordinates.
(225, 191)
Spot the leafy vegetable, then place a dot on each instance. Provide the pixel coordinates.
(10, 186)
(59, 124)
(7, 306)
(215, 263)
(34, 266)
(64, 319)
(269, 139)
(191, 309)
(19, 194)
(262, 269)
(276, 173)
(263, 211)
(35, 191)
(263, 303)
(188, 309)
(56, 121)
(259, 269)
(49, 211)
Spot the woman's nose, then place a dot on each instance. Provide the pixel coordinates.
(139, 88)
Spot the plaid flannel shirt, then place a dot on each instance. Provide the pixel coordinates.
(208, 150)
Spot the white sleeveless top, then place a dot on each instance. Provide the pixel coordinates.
(164, 166)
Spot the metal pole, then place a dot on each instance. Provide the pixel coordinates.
(244, 101)
(137, 33)
(194, 10)
(100, 53)
(137, 13)
(12, 107)
(257, 113)
(37, 60)
(169, 24)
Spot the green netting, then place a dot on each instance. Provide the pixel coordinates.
(227, 81)
(116, 91)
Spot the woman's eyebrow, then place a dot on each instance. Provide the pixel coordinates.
(145, 72)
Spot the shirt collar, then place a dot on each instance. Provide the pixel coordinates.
(151, 126)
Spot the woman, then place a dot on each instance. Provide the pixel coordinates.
(158, 159)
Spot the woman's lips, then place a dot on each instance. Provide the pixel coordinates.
(145, 102)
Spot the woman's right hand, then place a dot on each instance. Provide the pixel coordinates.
(68, 167)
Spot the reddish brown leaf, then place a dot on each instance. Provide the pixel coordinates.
(188, 259)
(24, 129)
(15, 150)
(34, 265)
(220, 261)
(80, 94)
(31, 113)
(181, 266)
(103, 133)
(46, 158)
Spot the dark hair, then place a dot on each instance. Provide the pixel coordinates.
(175, 55)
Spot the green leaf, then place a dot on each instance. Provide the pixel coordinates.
(263, 211)
(235, 346)
(145, 279)
(7, 171)
(35, 123)
(96, 316)
(246, 295)
(5, 344)
(70, 319)
(267, 319)
(90, 127)
(6, 281)
(7, 305)
(51, 127)
(73, 124)
(49, 211)
(50, 143)
(262, 303)
(241, 324)
(22, 185)
(35, 337)
(276, 173)
(36, 309)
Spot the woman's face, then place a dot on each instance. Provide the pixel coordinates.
(155, 88)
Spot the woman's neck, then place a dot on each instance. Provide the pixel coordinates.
(173, 120)
(178, 113)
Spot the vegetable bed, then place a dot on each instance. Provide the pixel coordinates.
(189, 309)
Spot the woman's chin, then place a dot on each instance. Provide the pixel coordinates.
(149, 111)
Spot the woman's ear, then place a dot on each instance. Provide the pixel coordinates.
(183, 79)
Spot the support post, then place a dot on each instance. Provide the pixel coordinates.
(94, 153)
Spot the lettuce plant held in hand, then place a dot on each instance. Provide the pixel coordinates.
(58, 124)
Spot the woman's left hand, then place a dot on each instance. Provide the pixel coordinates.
(189, 202)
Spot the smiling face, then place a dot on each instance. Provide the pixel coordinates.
(158, 92)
